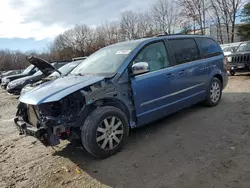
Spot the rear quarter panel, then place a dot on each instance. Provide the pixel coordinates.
(216, 67)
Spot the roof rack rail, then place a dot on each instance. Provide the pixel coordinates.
(79, 58)
(166, 34)
(163, 34)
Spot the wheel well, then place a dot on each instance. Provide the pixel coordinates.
(219, 77)
(104, 102)
(115, 103)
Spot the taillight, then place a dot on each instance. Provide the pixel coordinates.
(225, 63)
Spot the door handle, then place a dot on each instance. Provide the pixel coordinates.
(169, 75)
(182, 72)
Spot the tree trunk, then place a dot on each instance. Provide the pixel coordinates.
(233, 25)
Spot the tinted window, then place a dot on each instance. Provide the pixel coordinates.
(155, 55)
(209, 47)
(184, 50)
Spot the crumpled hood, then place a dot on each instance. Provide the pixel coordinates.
(31, 86)
(57, 89)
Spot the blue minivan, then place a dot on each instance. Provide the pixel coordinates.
(123, 86)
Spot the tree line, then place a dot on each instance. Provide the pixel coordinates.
(165, 16)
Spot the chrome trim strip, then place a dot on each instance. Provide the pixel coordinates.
(172, 94)
(169, 104)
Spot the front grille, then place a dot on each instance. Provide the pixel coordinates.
(32, 117)
(241, 59)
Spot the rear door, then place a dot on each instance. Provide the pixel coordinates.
(191, 71)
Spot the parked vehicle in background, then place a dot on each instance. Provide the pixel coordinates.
(234, 44)
(27, 72)
(229, 50)
(64, 70)
(45, 69)
(240, 60)
(9, 73)
(123, 86)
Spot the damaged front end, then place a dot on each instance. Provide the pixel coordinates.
(50, 122)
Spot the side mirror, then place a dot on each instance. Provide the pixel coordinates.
(140, 68)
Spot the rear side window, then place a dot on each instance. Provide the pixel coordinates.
(184, 50)
(209, 47)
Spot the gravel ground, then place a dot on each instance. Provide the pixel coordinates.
(197, 147)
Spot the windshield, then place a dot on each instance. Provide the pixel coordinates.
(66, 69)
(229, 49)
(106, 61)
(244, 47)
(38, 73)
(28, 69)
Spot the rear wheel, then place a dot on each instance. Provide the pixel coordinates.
(104, 131)
(214, 92)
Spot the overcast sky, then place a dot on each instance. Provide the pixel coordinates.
(38, 21)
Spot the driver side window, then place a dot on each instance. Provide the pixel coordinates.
(155, 55)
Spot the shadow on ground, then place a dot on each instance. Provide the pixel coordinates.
(189, 148)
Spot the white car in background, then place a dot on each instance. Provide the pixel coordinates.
(229, 50)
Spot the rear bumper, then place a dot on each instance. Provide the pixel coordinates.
(225, 79)
(42, 134)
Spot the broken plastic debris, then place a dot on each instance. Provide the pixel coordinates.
(65, 169)
(78, 171)
(56, 171)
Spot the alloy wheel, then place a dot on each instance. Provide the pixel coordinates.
(215, 92)
(109, 133)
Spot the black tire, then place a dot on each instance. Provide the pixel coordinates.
(93, 122)
(232, 73)
(210, 102)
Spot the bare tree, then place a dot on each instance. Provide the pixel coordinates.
(165, 13)
(145, 26)
(226, 12)
(218, 15)
(196, 10)
(129, 22)
(234, 7)
(111, 32)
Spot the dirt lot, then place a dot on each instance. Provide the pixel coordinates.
(197, 147)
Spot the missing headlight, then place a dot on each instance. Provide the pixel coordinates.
(51, 109)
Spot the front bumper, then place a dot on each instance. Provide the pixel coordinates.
(239, 66)
(4, 85)
(15, 90)
(42, 134)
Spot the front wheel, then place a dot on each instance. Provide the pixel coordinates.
(104, 131)
(232, 73)
(214, 92)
